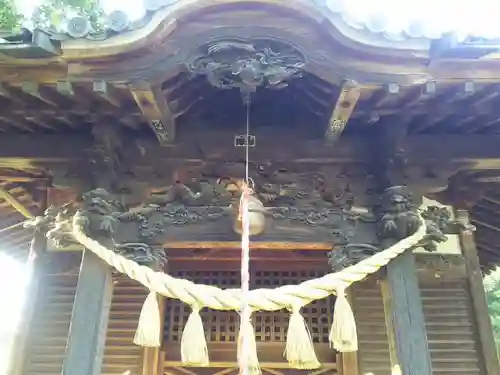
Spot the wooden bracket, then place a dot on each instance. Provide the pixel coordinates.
(155, 109)
(107, 92)
(348, 97)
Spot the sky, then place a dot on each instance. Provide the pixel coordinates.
(14, 279)
(133, 8)
(478, 17)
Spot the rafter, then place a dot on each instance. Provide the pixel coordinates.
(349, 96)
(155, 109)
(34, 89)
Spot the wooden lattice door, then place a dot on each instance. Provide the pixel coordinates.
(221, 327)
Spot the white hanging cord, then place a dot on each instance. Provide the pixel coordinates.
(247, 99)
(246, 311)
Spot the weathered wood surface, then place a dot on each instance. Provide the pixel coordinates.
(219, 147)
(407, 317)
(89, 320)
(479, 303)
(398, 217)
(221, 230)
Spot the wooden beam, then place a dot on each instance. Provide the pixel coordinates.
(9, 198)
(89, 320)
(478, 295)
(155, 109)
(474, 152)
(410, 335)
(277, 246)
(347, 100)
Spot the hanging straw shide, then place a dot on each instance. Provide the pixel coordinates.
(149, 327)
(299, 350)
(343, 336)
(194, 351)
(247, 347)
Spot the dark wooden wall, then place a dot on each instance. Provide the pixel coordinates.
(451, 331)
(50, 327)
(451, 327)
(221, 327)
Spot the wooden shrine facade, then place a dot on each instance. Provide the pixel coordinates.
(352, 137)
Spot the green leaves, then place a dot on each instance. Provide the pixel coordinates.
(492, 287)
(50, 13)
(10, 19)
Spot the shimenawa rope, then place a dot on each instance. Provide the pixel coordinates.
(292, 297)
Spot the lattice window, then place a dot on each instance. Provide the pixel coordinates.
(222, 326)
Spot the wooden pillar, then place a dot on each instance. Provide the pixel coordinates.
(94, 291)
(397, 212)
(89, 320)
(405, 322)
(478, 296)
(407, 317)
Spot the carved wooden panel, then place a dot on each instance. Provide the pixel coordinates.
(222, 326)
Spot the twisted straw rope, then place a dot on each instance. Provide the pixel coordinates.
(289, 296)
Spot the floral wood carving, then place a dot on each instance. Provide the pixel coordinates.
(246, 65)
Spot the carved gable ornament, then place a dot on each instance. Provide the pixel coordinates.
(246, 65)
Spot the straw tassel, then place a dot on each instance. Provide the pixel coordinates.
(149, 327)
(194, 351)
(252, 361)
(299, 349)
(343, 336)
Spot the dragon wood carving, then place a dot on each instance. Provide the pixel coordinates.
(396, 216)
(139, 232)
(247, 64)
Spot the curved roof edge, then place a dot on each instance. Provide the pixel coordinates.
(121, 34)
